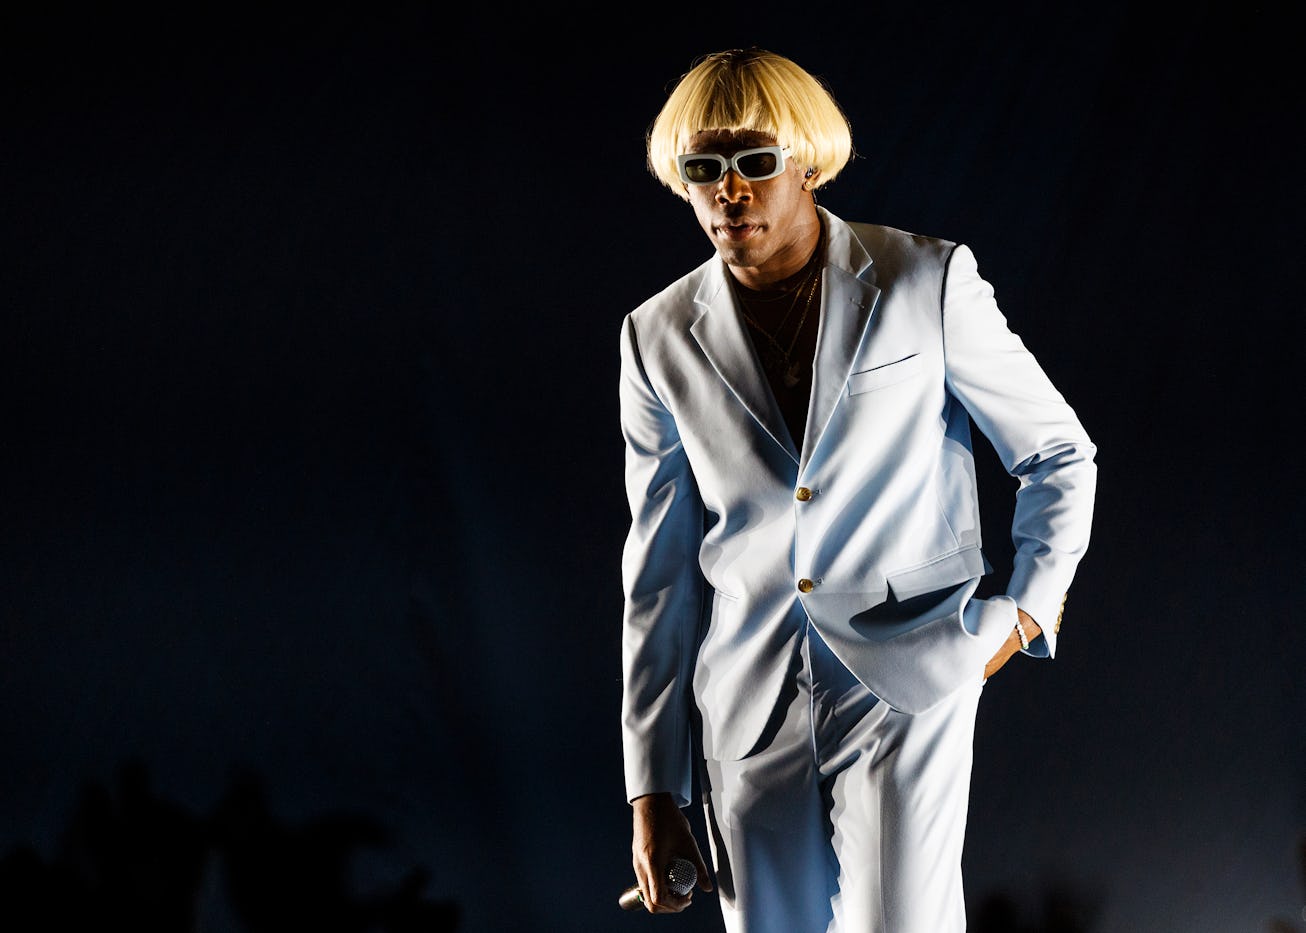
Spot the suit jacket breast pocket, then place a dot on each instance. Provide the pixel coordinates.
(879, 377)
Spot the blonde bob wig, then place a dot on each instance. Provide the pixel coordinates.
(757, 90)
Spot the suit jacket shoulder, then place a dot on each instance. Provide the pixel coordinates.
(673, 308)
(899, 256)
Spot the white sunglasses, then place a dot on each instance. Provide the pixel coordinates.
(707, 168)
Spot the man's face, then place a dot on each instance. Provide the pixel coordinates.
(765, 230)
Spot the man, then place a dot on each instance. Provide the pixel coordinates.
(800, 619)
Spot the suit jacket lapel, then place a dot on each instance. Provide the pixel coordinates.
(848, 299)
(720, 332)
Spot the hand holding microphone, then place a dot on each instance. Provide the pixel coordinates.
(665, 855)
(681, 878)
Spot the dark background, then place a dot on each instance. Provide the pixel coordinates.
(312, 512)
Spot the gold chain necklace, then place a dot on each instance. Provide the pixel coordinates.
(792, 368)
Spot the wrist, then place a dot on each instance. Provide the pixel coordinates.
(1021, 634)
(653, 801)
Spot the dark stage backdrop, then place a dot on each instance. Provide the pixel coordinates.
(312, 512)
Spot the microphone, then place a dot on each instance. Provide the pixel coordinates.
(681, 878)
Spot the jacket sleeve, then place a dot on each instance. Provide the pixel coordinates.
(663, 588)
(1036, 434)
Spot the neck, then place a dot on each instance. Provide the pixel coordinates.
(785, 264)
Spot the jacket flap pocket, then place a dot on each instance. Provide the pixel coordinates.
(939, 573)
(889, 374)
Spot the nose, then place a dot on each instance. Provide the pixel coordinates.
(732, 188)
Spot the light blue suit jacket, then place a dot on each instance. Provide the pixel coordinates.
(871, 528)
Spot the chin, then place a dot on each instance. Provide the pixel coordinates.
(736, 254)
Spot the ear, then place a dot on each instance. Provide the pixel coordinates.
(808, 175)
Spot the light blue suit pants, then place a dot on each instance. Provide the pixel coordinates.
(851, 817)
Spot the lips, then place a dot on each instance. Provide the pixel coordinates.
(737, 230)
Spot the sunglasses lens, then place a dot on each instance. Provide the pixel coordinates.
(702, 171)
(757, 165)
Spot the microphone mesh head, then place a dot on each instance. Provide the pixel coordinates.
(682, 876)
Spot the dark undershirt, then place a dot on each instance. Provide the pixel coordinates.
(778, 311)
